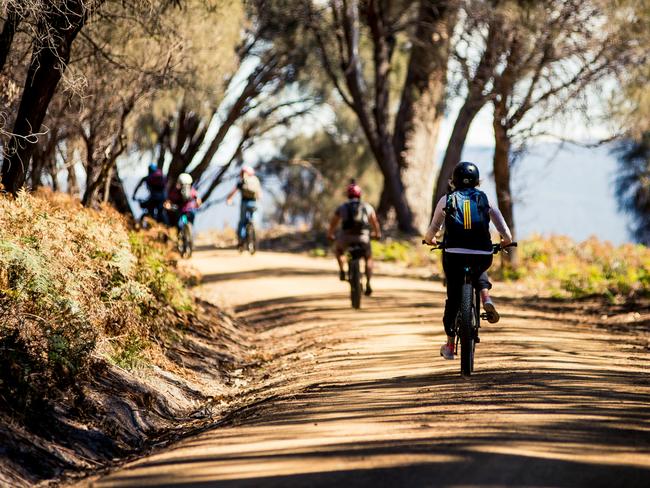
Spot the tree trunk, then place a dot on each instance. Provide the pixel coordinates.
(49, 60)
(383, 47)
(393, 182)
(117, 195)
(7, 35)
(501, 166)
(42, 158)
(455, 146)
(474, 102)
(255, 83)
(422, 106)
(73, 182)
(385, 204)
(189, 136)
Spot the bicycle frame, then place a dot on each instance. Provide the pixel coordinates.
(466, 326)
(182, 221)
(355, 253)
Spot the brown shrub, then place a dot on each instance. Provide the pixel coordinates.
(71, 279)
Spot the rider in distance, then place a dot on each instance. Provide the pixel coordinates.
(358, 219)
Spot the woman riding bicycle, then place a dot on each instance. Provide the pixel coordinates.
(466, 214)
(183, 199)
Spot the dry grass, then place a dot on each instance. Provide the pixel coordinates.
(589, 268)
(76, 285)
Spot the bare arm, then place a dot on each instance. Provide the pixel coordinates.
(374, 222)
(499, 222)
(334, 223)
(436, 222)
(231, 195)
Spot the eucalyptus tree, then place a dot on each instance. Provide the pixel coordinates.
(630, 109)
(312, 171)
(633, 183)
(556, 52)
(48, 29)
(245, 100)
(358, 42)
(477, 52)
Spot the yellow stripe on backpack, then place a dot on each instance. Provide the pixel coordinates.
(467, 214)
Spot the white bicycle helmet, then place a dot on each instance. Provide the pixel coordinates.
(185, 179)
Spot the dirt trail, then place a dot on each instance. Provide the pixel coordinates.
(554, 402)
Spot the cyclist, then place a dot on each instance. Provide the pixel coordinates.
(184, 198)
(251, 190)
(357, 220)
(156, 184)
(466, 214)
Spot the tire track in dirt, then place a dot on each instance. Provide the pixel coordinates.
(554, 402)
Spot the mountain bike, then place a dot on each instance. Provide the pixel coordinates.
(141, 222)
(469, 316)
(185, 240)
(150, 210)
(355, 253)
(250, 240)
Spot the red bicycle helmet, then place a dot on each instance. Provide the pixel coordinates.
(354, 191)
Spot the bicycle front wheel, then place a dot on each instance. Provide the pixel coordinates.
(466, 331)
(355, 284)
(186, 239)
(251, 240)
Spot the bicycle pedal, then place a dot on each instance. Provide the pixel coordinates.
(484, 316)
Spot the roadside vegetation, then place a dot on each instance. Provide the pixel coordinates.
(555, 266)
(568, 269)
(77, 287)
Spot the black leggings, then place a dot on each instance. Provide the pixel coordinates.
(454, 266)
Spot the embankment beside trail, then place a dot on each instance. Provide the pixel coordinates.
(103, 351)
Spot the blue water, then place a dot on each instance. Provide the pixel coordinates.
(565, 190)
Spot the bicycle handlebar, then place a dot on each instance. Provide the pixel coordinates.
(495, 247)
(498, 247)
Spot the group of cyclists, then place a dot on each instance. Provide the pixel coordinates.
(165, 204)
(462, 216)
(168, 203)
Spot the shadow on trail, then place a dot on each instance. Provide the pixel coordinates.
(542, 409)
(263, 272)
(492, 467)
(593, 417)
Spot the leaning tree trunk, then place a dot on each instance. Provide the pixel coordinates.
(474, 102)
(393, 182)
(455, 146)
(422, 106)
(501, 166)
(73, 182)
(117, 195)
(7, 35)
(43, 158)
(50, 57)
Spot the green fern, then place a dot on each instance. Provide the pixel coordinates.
(26, 269)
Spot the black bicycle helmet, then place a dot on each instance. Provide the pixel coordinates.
(465, 175)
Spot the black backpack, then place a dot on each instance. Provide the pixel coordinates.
(355, 220)
(467, 220)
(156, 181)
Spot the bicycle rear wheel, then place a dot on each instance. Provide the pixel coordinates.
(251, 240)
(355, 283)
(186, 240)
(466, 330)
